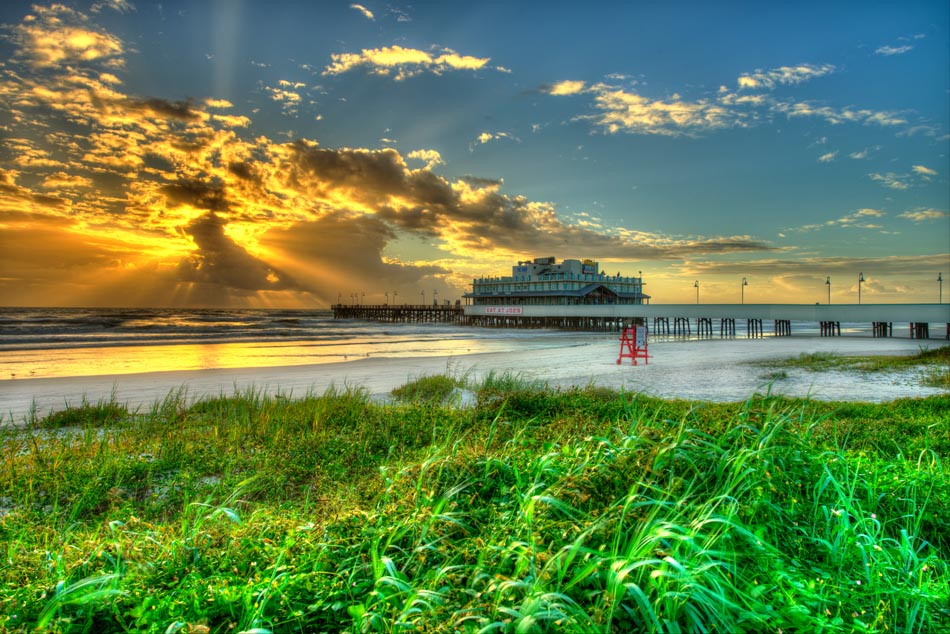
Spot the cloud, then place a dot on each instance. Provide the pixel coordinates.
(120, 6)
(62, 180)
(221, 104)
(828, 157)
(339, 252)
(566, 87)
(220, 262)
(924, 215)
(366, 12)
(486, 137)
(625, 111)
(195, 194)
(405, 62)
(58, 35)
(431, 157)
(783, 76)
(891, 180)
(173, 202)
(820, 267)
(926, 172)
(893, 50)
(470, 217)
(838, 116)
(855, 220)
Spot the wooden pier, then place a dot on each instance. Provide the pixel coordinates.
(401, 313)
(881, 318)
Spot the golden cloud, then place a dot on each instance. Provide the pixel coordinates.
(566, 87)
(57, 35)
(924, 215)
(624, 111)
(408, 62)
(169, 192)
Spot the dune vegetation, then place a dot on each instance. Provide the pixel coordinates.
(536, 510)
(930, 365)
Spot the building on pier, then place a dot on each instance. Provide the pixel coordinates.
(544, 282)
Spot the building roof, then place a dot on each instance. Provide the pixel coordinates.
(581, 292)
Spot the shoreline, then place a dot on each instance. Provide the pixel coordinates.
(719, 370)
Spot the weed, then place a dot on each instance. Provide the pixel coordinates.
(538, 511)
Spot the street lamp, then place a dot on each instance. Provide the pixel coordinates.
(860, 281)
(435, 298)
(362, 298)
(696, 285)
(394, 296)
(744, 284)
(423, 298)
(940, 283)
(828, 284)
(387, 297)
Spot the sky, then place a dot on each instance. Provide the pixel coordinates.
(237, 153)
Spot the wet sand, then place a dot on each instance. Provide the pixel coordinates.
(712, 369)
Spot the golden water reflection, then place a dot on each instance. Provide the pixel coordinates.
(93, 361)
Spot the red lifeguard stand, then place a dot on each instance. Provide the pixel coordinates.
(633, 344)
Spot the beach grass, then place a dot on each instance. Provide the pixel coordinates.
(932, 364)
(536, 510)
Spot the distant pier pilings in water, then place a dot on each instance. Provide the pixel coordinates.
(916, 321)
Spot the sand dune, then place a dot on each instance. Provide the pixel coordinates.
(714, 369)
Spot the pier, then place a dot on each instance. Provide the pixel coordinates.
(916, 321)
(404, 313)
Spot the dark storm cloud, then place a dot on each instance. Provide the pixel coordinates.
(244, 171)
(481, 219)
(180, 110)
(220, 262)
(347, 252)
(197, 194)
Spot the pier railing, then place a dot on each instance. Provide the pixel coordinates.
(681, 319)
(672, 319)
(405, 313)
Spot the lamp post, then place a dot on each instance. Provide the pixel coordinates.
(362, 297)
(435, 298)
(387, 297)
(394, 296)
(744, 284)
(940, 283)
(860, 281)
(696, 285)
(828, 284)
(423, 298)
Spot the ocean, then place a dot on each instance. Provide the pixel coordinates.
(64, 342)
(60, 342)
(54, 358)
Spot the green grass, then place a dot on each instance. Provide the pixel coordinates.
(933, 364)
(429, 389)
(539, 510)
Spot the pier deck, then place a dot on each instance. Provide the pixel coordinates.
(778, 319)
(400, 313)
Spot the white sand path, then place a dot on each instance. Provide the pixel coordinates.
(713, 369)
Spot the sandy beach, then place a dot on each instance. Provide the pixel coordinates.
(713, 369)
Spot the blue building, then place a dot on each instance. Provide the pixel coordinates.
(544, 282)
